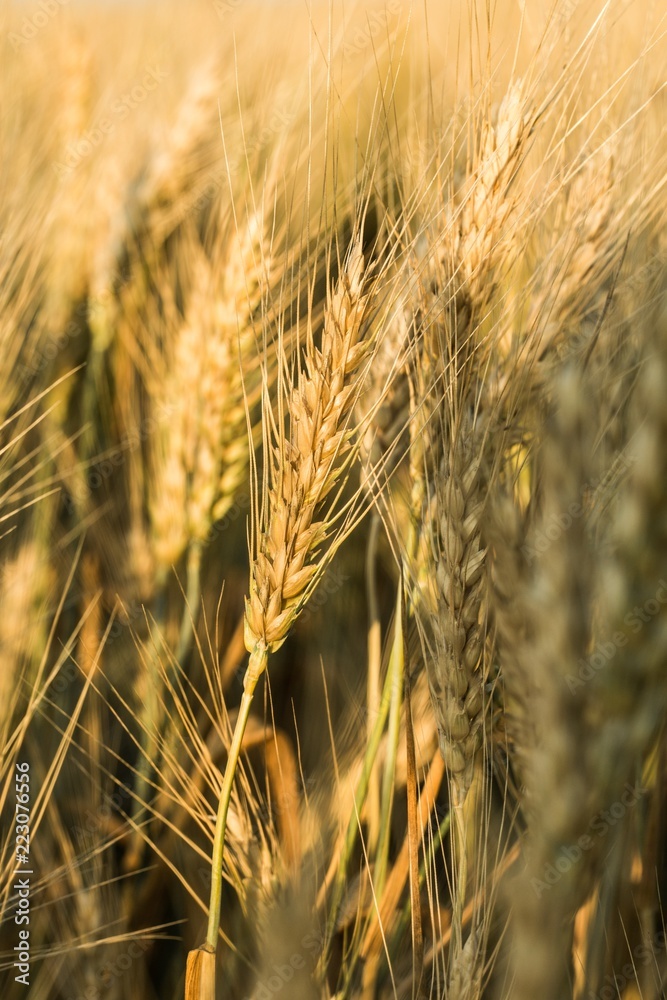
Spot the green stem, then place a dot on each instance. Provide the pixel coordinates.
(394, 693)
(150, 724)
(459, 844)
(369, 760)
(256, 667)
(397, 670)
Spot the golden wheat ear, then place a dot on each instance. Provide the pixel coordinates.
(307, 461)
(457, 432)
(201, 453)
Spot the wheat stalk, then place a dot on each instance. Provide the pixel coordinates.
(455, 429)
(304, 469)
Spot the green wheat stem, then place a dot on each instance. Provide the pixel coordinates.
(150, 722)
(256, 667)
(459, 846)
(396, 672)
(366, 770)
(394, 691)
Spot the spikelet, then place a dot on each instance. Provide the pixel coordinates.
(89, 637)
(457, 679)
(306, 465)
(465, 981)
(22, 584)
(202, 454)
(484, 235)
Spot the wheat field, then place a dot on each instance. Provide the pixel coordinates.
(333, 500)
